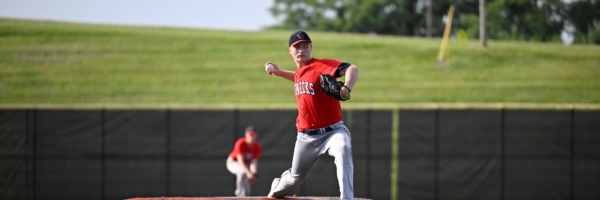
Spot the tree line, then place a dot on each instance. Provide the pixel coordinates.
(527, 20)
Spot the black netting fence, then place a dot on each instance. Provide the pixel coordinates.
(441, 154)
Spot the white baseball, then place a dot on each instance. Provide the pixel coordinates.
(270, 68)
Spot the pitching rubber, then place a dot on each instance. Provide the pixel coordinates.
(239, 198)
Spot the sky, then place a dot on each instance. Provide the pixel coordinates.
(244, 15)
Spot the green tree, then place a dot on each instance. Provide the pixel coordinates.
(584, 16)
(363, 16)
(308, 15)
(541, 20)
(532, 20)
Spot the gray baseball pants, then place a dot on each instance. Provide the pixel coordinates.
(308, 151)
(242, 186)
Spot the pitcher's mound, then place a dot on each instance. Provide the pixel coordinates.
(239, 198)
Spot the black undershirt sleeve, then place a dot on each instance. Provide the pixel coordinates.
(342, 66)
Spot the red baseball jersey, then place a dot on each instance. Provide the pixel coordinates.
(315, 108)
(248, 152)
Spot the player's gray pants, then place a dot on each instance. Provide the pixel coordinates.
(308, 150)
(242, 186)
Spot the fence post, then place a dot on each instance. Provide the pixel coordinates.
(34, 173)
(368, 134)
(168, 153)
(572, 193)
(502, 152)
(103, 155)
(437, 154)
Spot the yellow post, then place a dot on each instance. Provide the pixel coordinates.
(442, 51)
(395, 137)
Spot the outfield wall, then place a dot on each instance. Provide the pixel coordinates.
(405, 153)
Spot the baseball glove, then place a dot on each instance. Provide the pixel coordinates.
(254, 179)
(332, 87)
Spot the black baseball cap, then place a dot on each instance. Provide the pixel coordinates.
(251, 130)
(297, 37)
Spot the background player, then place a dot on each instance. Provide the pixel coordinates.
(243, 161)
(319, 122)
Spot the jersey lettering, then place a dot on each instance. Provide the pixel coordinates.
(248, 156)
(304, 87)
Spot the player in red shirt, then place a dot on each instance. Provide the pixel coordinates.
(243, 161)
(319, 122)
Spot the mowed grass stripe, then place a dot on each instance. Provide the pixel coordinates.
(45, 63)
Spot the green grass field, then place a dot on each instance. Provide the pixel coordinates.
(63, 63)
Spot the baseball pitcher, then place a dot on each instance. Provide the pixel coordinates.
(319, 123)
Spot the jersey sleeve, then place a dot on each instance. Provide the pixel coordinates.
(237, 149)
(330, 66)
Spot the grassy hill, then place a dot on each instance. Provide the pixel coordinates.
(62, 63)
